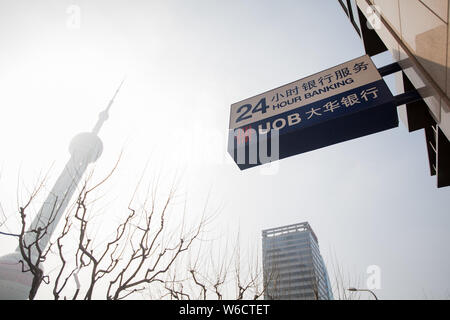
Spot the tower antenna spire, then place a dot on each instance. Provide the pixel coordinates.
(104, 115)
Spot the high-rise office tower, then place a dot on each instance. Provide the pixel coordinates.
(293, 266)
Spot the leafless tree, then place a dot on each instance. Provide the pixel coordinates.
(141, 249)
(218, 272)
(140, 253)
(145, 253)
(342, 280)
(32, 253)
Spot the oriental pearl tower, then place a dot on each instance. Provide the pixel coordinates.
(85, 148)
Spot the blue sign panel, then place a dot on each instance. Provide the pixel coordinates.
(352, 101)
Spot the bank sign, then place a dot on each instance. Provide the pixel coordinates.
(342, 103)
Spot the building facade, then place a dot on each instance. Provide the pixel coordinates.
(292, 264)
(416, 32)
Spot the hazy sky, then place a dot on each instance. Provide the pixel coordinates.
(370, 201)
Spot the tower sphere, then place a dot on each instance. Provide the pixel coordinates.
(86, 146)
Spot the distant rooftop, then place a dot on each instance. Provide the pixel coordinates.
(298, 227)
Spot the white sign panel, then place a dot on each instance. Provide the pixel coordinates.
(347, 76)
